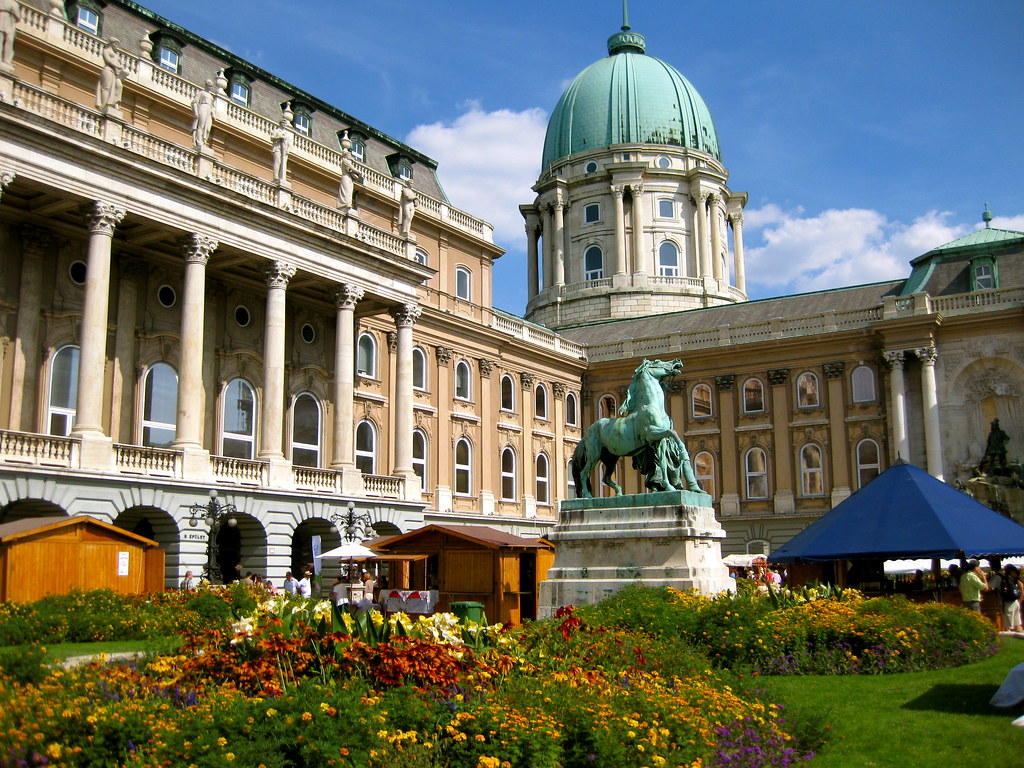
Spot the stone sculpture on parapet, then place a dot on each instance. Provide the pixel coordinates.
(668, 536)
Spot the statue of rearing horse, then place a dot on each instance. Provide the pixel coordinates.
(644, 431)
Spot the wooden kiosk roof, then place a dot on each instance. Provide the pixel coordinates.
(32, 526)
(476, 534)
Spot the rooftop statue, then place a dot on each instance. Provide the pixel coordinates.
(644, 431)
(109, 89)
(9, 10)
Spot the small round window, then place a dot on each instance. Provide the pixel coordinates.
(242, 316)
(591, 167)
(664, 162)
(308, 333)
(166, 296)
(77, 272)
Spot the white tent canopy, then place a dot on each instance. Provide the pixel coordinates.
(351, 550)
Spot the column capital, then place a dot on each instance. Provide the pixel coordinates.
(278, 273)
(559, 389)
(444, 355)
(527, 379)
(834, 370)
(197, 247)
(700, 195)
(778, 376)
(894, 358)
(617, 190)
(636, 188)
(927, 355)
(35, 240)
(102, 217)
(736, 219)
(405, 316)
(486, 367)
(347, 295)
(725, 383)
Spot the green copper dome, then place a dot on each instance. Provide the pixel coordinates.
(629, 98)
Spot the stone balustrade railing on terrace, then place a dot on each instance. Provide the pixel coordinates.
(146, 74)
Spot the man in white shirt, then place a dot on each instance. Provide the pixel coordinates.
(305, 589)
(291, 586)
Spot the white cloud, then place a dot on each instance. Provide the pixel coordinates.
(487, 163)
(788, 252)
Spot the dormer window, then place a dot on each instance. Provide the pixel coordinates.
(86, 15)
(984, 276)
(302, 118)
(167, 51)
(400, 165)
(240, 88)
(358, 147)
(170, 60)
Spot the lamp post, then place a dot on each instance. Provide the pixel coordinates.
(352, 526)
(215, 515)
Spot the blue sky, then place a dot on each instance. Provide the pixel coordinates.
(865, 133)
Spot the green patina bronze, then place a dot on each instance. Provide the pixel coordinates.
(643, 430)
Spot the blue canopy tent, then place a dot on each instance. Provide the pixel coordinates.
(905, 513)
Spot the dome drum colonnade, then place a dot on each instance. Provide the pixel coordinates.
(633, 213)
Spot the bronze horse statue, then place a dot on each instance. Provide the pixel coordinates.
(644, 431)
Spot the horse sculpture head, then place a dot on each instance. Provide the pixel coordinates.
(659, 369)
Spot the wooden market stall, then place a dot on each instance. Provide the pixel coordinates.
(55, 555)
(471, 563)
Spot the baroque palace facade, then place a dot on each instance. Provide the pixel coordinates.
(210, 279)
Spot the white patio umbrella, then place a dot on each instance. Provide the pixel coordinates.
(350, 550)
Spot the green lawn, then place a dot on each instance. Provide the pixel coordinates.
(63, 651)
(915, 720)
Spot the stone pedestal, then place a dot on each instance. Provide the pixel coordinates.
(657, 539)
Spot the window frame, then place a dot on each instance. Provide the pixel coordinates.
(709, 478)
(239, 437)
(463, 470)
(861, 466)
(82, 7)
(662, 201)
(606, 411)
(66, 412)
(316, 449)
(570, 482)
(463, 383)
(700, 385)
(746, 399)
(540, 403)
(239, 86)
(510, 407)
(420, 462)
(366, 456)
(802, 401)
(542, 480)
(366, 361)
(508, 465)
(857, 388)
(169, 59)
(463, 283)
(592, 208)
(809, 474)
(669, 270)
(988, 263)
(420, 376)
(146, 422)
(751, 476)
(572, 412)
(589, 273)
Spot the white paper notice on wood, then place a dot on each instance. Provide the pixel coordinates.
(122, 563)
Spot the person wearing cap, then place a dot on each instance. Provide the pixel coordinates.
(972, 583)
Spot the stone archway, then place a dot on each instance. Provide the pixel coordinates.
(302, 542)
(28, 508)
(154, 523)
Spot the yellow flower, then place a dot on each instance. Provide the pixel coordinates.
(307, 716)
(221, 742)
(229, 756)
(271, 712)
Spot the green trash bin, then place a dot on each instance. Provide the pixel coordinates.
(468, 611)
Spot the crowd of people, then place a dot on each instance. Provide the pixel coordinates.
(972, 581)
(361, 593)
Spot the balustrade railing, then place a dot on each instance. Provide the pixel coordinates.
(54, 108)
(244, 471)
(158, 149)
(383, 485)
(43, 450)
(147, 461)
(313, 479)
(247, 185)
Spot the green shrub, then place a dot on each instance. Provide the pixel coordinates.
(24, 665)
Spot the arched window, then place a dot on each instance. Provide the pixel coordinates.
(753, 396)
(366, 447)
(807, 390)
(419, 457)
(572, 411)
(704, 471)
(863, 381)
(306, 431)
(366, 356)
(570, 482)
(463, 379)
(593, 263)
(543, 480)
(463, 467)
(419, 368)
(60, 415)
(462, 283)
(668, 259)
(812, 481)
(755, 466)
(421, 256)
(239, 436)
(609, 408)
(700, 401)
(869, 462)
(540, 396)
(508, 393)
(159, 406)
(508, 475)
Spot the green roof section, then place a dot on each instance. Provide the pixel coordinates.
(629, 98)
(986, 236)
(977, 243)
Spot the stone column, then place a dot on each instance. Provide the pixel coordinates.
(102, 219)
(620, 231)
(737, 247)
(782, 453)
(699, 235)
(196, 249)
(405, 317)
(930, 403)
(131, 272)
(838, 444)
(729, 498)
(277, 274)
(558, 246)
(345, 299)
(26, 363)
(532, 235)
(547, 273)
(641, 259)
(898, 404)
(716, 237)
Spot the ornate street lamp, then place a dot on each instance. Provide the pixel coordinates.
(352, 526)
(215, 515)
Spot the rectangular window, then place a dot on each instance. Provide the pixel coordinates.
(666, 209)
(303, 124)
(88, 20)
(240, 93)
(169, 60)
(591, 213)
(984, 279)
